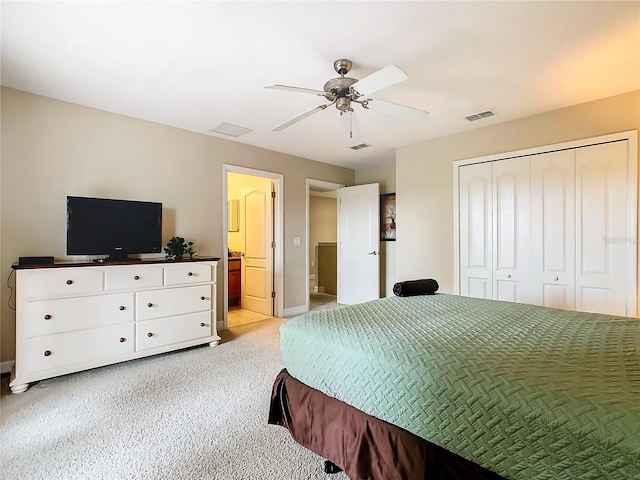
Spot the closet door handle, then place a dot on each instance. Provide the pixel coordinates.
(372, 253)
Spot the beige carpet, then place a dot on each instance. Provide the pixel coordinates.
(322, 301)
(195, 414)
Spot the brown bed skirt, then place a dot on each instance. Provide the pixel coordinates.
(365, 447)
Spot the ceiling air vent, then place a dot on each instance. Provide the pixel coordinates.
(480, 116)
(230, 129)
(360, 146)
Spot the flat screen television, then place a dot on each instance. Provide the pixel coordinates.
(116, 228)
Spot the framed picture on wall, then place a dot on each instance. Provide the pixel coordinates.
(388, 217)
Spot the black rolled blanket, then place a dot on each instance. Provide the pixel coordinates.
(410, 288)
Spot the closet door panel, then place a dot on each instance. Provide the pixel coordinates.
(475, 196)
(511, 211)
(601, 228)
(553, 229)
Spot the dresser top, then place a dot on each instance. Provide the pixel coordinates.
(107, 263)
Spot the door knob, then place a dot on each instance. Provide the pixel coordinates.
(508, 275)
(372, 253)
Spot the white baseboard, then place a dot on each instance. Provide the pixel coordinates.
(293, 311)
(5, 367)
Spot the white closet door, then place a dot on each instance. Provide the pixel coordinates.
(601, 228)
(553, 229)
(475, 198)
(511, 213)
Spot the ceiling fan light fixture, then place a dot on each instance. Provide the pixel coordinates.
(344, 104)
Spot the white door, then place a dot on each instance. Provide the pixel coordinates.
(476, 250)
(511, 214)
(601, 228)
(257, 225)
(553, 229)
(358, 244)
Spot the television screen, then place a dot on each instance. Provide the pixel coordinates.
(100, 226)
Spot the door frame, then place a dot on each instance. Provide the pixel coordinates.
(329, 186)
(278, 234)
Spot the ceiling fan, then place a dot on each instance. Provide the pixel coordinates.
(343, 92)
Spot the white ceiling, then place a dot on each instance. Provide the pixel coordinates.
(194, 65)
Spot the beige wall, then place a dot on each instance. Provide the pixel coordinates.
(424, 175)
(51, 149)
(385, 176)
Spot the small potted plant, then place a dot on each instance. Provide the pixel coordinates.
(177, 247)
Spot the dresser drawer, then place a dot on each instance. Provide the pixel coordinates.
(133, 277)
(58, 351)
(185, 273)
(57, 282)
(174, 301)
(47, 317)
(167, 331)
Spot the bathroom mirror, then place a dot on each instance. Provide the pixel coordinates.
(233, 216)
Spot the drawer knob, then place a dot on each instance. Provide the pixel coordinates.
(47, 353)
(202, 298)
(69, 282)
(122, 339)
(136, 277)
(149, 305)
(122, 307)
(203, 324)
(555, 279)
(149, 334)
(190, 274)
(47, 317)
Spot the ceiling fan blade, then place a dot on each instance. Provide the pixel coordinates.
(297, 118)
(296, 89)
(351, 128)
(396, 110)
(383, 78)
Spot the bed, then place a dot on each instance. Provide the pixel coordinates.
(443, 386)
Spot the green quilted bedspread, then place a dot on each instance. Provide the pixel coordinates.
(525, 391)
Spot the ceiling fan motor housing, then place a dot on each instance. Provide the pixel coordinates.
(339, 90)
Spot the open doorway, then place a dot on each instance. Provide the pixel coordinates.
(322, 226)
(253, 234)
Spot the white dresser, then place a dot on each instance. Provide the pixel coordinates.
(72, 317)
